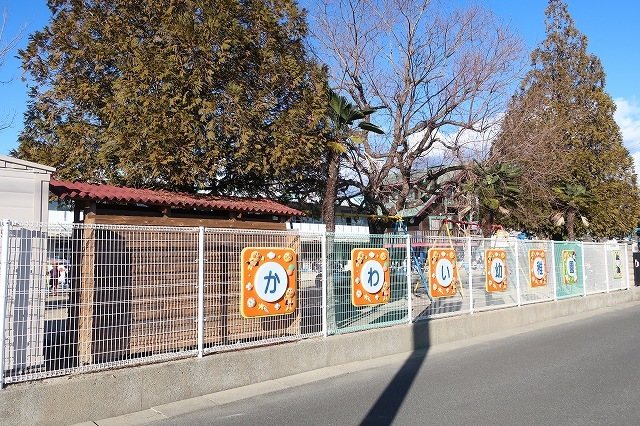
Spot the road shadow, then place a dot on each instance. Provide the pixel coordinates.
(387, 406)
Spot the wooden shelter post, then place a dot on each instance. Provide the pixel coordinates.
(87, 291)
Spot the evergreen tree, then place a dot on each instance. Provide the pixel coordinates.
(177, 94)
(586, 149)
(495, 191)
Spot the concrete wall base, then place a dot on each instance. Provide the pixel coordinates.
(78, 398)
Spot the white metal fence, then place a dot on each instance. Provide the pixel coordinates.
(86, 297)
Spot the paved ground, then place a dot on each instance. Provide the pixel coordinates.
(580, 370)
(57, 307)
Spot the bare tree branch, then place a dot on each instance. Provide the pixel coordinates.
(7, 46)
(435, 74)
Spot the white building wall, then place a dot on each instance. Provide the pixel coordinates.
(24, 197)
(321, 227)
(59, 214)
(24, 190)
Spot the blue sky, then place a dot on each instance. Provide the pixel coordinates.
(611, 28)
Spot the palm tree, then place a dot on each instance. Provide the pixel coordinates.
(495, 190)
(571, 201)
(343, 117)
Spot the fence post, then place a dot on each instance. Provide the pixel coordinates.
(200, 292)
(606, 267)
(470, 274)
(323, 262)
(518, 291)
(4, 271)
(408, 271)
(626, 265)
(584, 270)
(553, 269)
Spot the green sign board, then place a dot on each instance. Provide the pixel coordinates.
(569, 269)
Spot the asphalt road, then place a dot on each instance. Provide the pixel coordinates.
(584, 370)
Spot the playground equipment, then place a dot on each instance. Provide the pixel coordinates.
(421, 259)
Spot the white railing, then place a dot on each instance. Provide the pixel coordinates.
(125, 295)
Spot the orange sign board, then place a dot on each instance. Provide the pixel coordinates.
(268, 281)
(443, 272)
(496, 267)
(370, 278)
(538, 268)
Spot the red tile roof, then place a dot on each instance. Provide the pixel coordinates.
(124, 195)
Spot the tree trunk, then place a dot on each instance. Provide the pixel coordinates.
(331, 191)
(570, 224)
(329, 218)
(486, 224)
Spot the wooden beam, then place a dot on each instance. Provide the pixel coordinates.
(80, 207)
(185, 221)
(77, 208)
(87, 292)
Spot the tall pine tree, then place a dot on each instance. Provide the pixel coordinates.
(177, 94)
(578, 142)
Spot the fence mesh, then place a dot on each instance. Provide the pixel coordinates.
(84, 297)
(617, 266)
(424, 306)
(225, 328)
(30, 315)
(485, 295)
(343, 315)
(532, 289)
(595, 272)
(571, 269)
(96, 296)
